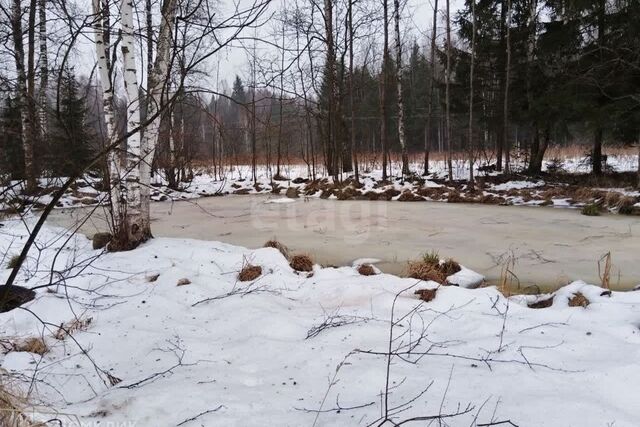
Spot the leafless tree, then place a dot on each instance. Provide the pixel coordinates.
(432, 71)
(399, 72)
(447, 94)
(470, 148)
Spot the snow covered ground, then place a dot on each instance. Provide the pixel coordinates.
(328, 348)
(237, 180)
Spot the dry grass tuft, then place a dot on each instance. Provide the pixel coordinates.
(585, 194)
(455, 197)
(69, 328)
(390, 193)
(430, 268)
(449, 267)
(13, 262)
(33, 345)
(301, 263)
(542, 303)
(408, 196)
(554, 193)
(12, 406)
(366, 270)
(347, 193)
(249, 272)
(371, 195)
(612, 198)
(490, 199)
(273, 243)
(426, 295)
(578, 300)
(591, 210)
(422, 270)
(625, 205)
(431, 258)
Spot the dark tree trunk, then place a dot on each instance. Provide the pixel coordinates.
(503, 45)
(352, 135)
(332, 148)
(537, 157)
(596, 155)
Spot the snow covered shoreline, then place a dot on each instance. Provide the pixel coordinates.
(490, 189)
(302, 349)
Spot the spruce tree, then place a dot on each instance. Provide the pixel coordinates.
(71, 139)
(11, 153)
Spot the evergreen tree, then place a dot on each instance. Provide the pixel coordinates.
(239, 95)
(72, 138)
(11, 154)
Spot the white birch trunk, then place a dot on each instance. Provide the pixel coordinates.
(156, 95)
(113, 163)
(23, 96)
(44, 68)
(135, 224)
(401, 129)
(432, 68)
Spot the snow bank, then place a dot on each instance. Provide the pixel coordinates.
(290, 350)
(466, 278)
(518, 185)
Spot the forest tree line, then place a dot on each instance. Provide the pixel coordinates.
(494, 78)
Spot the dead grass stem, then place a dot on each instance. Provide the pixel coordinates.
(605, 272)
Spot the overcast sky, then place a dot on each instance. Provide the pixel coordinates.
(417, 21)
(416, 24)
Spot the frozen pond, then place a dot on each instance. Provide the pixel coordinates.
(551, 246)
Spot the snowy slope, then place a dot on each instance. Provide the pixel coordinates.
(256, 353)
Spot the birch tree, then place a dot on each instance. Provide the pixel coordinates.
(447, 94)
(432, 71)
(44, 66)
(133, 225)
(399, 70)
(100, 19)
(156, 97)
(25, 103)
(383, 90)
(471, 69)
